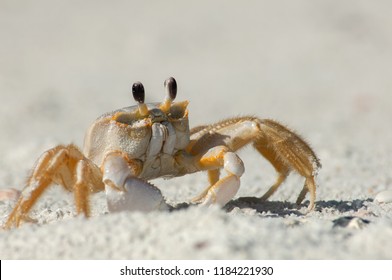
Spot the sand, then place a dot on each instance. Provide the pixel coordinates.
(320, 67)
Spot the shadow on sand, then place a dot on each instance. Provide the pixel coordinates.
(284, 208)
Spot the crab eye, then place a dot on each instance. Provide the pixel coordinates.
(138, 92)
(171, 87)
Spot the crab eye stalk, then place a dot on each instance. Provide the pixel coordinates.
(171, 88)
(138, 95)
(170, 85)
(138, 92)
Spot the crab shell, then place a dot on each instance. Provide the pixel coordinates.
(152, 140)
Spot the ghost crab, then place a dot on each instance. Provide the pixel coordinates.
(125, 148)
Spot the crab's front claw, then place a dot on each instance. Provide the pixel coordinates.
(137, 195)
(126, 192)
(220, 193)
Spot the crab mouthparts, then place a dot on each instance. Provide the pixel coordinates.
(157, 115)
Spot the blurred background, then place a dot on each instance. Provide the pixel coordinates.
(321, 67)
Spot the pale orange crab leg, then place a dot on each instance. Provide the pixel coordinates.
(60, 165)
(283, 170)
(88, 180)
(36, 186)
(284, 149)
(287, 151)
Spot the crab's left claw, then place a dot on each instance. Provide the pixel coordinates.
(221, 191)
(126, 192)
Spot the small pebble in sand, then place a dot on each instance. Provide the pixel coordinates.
(384, 197)
(9, 194)
(350, 222)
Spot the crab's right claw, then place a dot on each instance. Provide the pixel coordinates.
(126, 192)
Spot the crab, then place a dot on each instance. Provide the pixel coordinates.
(126, 148)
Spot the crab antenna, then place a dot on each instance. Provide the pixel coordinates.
(170, 85)
(138, 95)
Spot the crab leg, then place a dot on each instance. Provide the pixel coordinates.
(124, 191)
(35, 186)
(284, 149)
(58, 165)
(222, 190)
(88, 180)
(262, 146)
(287, 151)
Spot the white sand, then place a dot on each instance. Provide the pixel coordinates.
(321, 67)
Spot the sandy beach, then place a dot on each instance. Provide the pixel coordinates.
(322, 68)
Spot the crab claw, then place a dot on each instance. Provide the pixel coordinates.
(126, 192)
